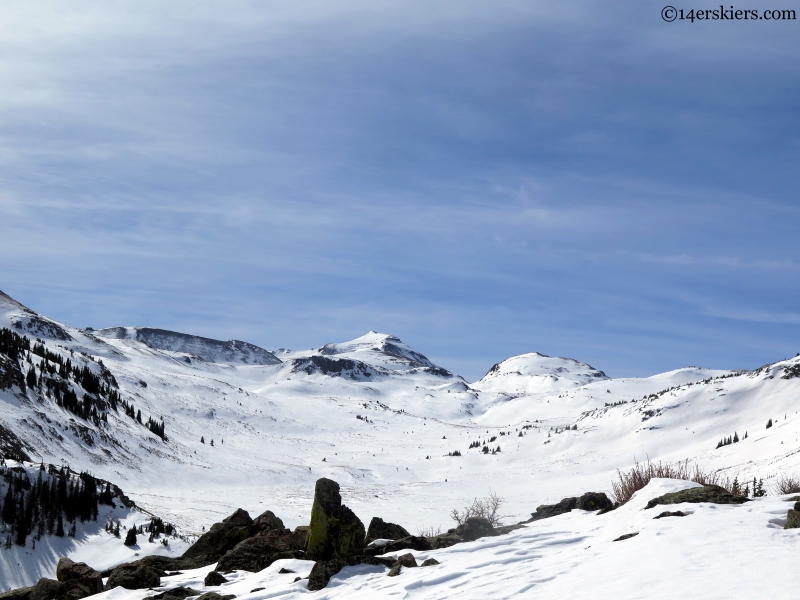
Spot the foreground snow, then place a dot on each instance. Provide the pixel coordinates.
(717, 551)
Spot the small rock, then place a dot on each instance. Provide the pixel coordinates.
(676, 513)
(626, 536)
(406, 560)
(395, 570)
(216, 596)
(296, 579)
(283, 571)
(429, 562)
(258, 589)
(214, 578)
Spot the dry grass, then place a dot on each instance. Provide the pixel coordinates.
(787, 484)
(429, 531)
(641, 474)
(488, 508)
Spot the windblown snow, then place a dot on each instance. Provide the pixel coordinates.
(381, 419)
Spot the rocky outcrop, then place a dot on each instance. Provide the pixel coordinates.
(381, 530)
(323, 570)
(133, 576)
(81, 574)
(257, 553)
(708, 493)
(335, 531)
(475, 528)
(221, 538)
(589, 501)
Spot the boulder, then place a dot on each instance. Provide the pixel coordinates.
(708, 493)
(793, 518)
(323, 570)
(267, 521)
(239, 517)
(445, 540)
(381, 530)
(475, 528)
(220, 538)
(46, 589)
(589, 501)
(335, 531)
(406, 560)
(429, 562)
(23, 593)
(257, 553)
(83, 574)
(595, 501)
(214, 578)
(133, 576)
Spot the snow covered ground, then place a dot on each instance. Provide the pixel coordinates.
(380, 418)
(716, 551)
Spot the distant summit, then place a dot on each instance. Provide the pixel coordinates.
(209, 350)
(535, 372)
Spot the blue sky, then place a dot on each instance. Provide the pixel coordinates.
(480, 179)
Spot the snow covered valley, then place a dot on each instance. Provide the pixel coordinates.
(191, 429)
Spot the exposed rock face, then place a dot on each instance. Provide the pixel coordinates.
(213, 544)
(46, 589)
(589, 501)
(256, 553)
(335, 531)
(133, 576)
(267, 521)
(474, 528)
(708, 493)
(214, 578)
(325, 569)
(80, 573)
(381, 530)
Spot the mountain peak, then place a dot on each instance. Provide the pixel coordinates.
(536, 372)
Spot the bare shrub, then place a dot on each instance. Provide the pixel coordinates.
(488, 508)
(429, 531)
(641, 474)
(787, 484)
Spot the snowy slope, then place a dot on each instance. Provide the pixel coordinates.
(707, 554)
(382, 425)
(193, 346)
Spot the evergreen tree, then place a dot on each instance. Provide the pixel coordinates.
(30, 378)
(130, 537)
(59, 526)
(735, 437)
(769, 423)
(139, 416)
(202, 440)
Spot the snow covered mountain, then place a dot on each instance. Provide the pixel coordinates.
(193, 428)
(230, 352)
(534, 372)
